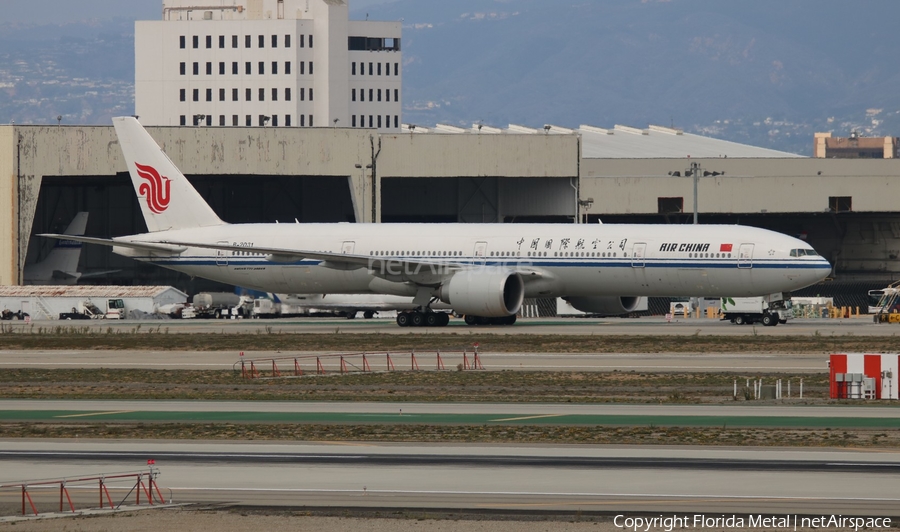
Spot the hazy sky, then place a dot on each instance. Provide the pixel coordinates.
(60, 11)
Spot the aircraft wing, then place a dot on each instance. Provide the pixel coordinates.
(144, 246)
(419, 271)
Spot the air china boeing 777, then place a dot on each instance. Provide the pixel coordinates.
(481, 270)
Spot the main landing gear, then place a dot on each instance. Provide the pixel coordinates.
(416, 318)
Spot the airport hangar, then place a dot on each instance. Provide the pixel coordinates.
(845, 208)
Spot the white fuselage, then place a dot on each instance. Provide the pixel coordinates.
(584, 260)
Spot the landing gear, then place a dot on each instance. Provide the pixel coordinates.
(418, 318)
(368, 314)
(481, 320)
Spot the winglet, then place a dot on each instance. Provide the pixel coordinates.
(166, 197)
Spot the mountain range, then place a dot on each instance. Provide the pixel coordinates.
(768, 73)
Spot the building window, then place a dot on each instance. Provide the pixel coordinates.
(302, 68)
(262, 68)
(195, 40)
(222, 45)
(379, 121)
(287, 94)
(387, 69)
(387, 120)
(209, 41)
(248, 95)
(262, 41)
(396, 95)
(310, 116)
(669, 205)
(310, 99)
(196, 95)
(234, 43)
(183, 120)
(221, 68)
(287, 120)
(274, 67)
(248, 69)
(209, 95)
(353, 97)
(234, 95)
(287, 67)
(196, 69)
(262, 95)
(362, 68)
(353, 121)
(840, 203)
(246, 41)
(396, 69)
(362, 120)
(181, 44)
(310, 68)
(396, 121)
(302, 120)
(274, 117)
(234, 119)
(274, 45)
(371, 95)
(221, 120)
(249, 121)
(182, 95)
(379, 69)
(209, 68)
(371, 122)
(274, 95)
(287, 41)
(353, 68)
(182, 68)
(370, 68)
(262, 120)
(362, 95)
(379, 95)
(234, 68)
(222, 96)
(387, 95)
(310, 45)
(302, 41)
(302, 94)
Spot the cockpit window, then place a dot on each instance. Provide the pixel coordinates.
(804, 253)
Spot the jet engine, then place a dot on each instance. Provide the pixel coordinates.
(606, 306)
(488, 293)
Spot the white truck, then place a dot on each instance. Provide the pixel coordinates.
(769, 310)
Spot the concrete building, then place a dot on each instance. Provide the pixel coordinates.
(845, 208)
(267, 63)
(856, 147)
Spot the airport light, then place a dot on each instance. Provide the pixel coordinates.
(696, 171)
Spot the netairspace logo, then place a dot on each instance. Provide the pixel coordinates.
(668, 523)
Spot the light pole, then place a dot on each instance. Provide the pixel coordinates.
(696, 171)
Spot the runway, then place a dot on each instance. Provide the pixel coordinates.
(655, 325)
(586, 479)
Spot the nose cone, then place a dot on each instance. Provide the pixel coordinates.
(817, 271)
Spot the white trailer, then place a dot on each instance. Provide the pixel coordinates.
(769, 310)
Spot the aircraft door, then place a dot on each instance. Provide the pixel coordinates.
(745, 256)
(479, 252)
(638, 252)
(348, 247)
(221, 254)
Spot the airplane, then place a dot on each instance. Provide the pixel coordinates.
(483, 271)
(60, 266)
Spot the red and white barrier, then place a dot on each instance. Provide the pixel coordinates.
(864, 376)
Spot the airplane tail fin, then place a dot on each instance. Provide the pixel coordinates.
(65, 254)
(167, 198)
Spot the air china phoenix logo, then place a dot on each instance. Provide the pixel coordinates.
(156, 188)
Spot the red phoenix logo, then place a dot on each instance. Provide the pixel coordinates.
(155, 190)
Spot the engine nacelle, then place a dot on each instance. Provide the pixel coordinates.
(605, 306)
(488, 293)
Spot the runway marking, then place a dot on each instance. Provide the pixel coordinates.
(97, 414)
(528, 417)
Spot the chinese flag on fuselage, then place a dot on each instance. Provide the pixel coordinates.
(725, 248)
